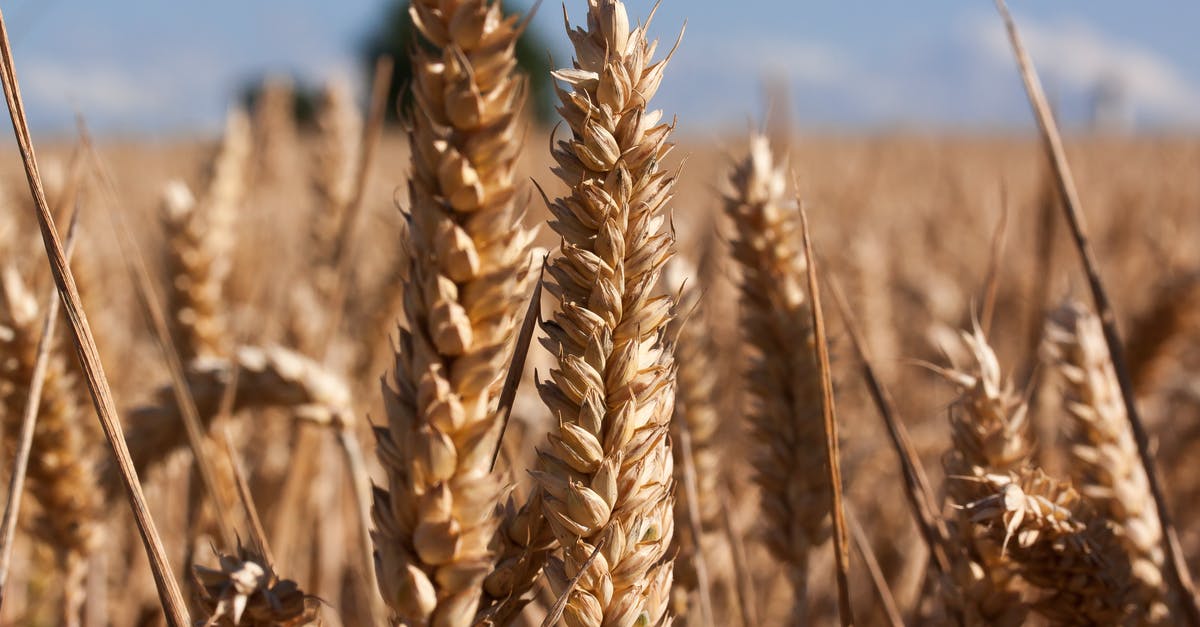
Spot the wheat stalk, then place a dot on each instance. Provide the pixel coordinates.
(1176, 565)
(607, 473)
(1057, 543)
(783, 378)
(1104, 462)
(468, 273)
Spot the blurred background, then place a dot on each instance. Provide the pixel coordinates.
(906, 133)
(152, 67)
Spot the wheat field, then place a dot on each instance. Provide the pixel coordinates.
(467, 371)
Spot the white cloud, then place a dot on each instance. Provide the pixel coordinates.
(1077, 56)
(95, 90)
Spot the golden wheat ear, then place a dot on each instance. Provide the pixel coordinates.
(607, 470)
(1104, 462)
(468, 276)
(244, 591)
(783, 376)
(1058, 544)
(990, 435)
(60, 476)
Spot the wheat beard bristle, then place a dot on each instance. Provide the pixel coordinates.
(467, 282)
(783, 377)
(60, 477)
(607, 473)
(1104, 458)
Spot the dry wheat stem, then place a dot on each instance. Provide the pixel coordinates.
(1176, 564)
(863, 544)
(607, 471)
(467, 279)
(85, 344)
(784, 376)
(841, 538)
(918, 490)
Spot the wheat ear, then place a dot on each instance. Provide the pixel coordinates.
(60, 474)
(990, 433)
(244, 591)
(1104, 461)
(607, 473)
(696, 412)
(783, 377)
(197, 321)
(340, 128)
(267, 377)
(1057, 543)
(468, 276)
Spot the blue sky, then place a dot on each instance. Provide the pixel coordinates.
(154, 66)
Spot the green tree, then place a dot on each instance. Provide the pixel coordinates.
(393, 35)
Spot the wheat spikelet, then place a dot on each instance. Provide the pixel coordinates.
(1104, 461)
(244, 591)
(60, 475)
(607, 473)
(783, 377)
(468, 273)
(267, 377)
(1057, 543)
(990, 434)
(522, 545)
